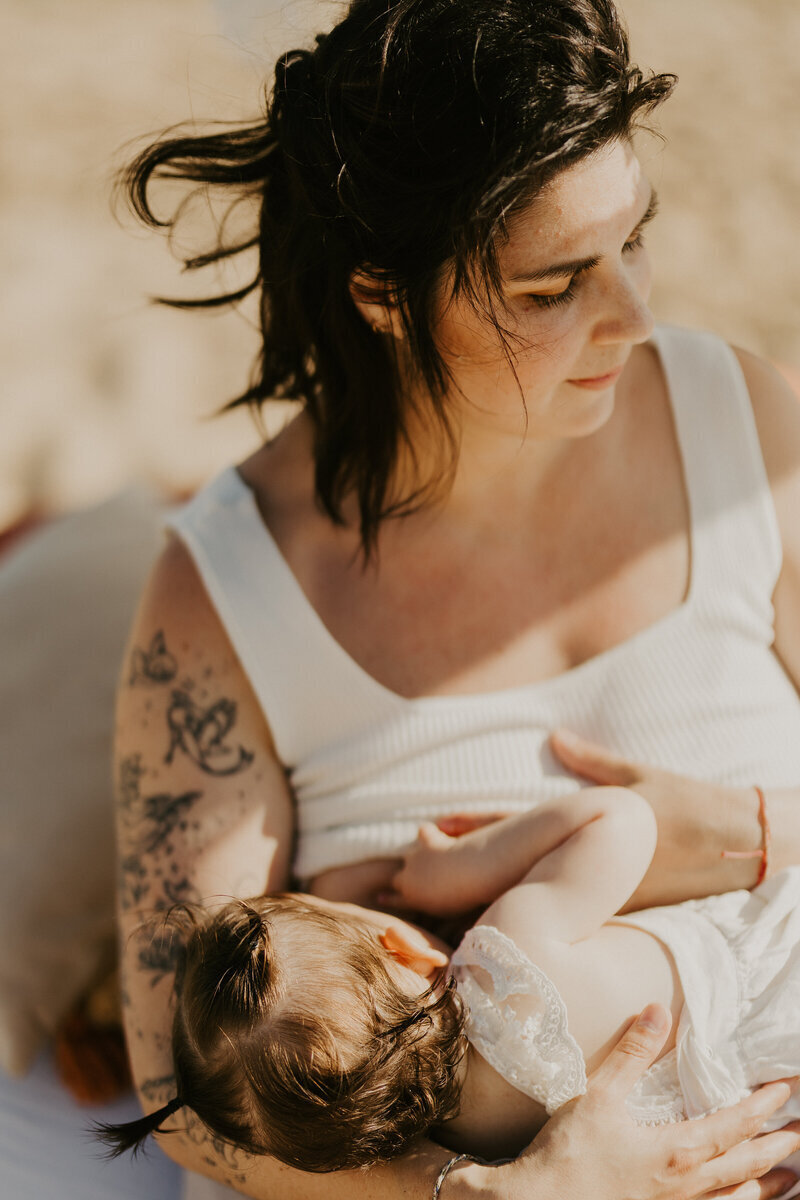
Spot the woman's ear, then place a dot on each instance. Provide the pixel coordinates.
(417, 955)
(376, 304)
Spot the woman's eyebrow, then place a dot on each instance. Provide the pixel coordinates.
(576, 265)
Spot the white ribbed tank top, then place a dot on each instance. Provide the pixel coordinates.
(700, 691)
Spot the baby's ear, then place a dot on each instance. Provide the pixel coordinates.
(417, 955)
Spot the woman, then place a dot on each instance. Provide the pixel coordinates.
(504, 507)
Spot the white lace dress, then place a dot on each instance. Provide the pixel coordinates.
(738, 959)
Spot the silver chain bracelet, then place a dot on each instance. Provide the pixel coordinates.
(446, 1169)
(456, 1159)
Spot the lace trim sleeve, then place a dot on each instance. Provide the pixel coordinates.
(528, 1044)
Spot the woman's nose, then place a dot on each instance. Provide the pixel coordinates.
(626, 315)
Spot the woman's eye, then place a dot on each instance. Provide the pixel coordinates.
(634, 244)
(556, 298)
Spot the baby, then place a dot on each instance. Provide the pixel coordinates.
(330, 1037)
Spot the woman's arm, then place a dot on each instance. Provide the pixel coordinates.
(591, 849)
(203, 811)
(776, 408)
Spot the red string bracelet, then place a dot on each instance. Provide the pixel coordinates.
(766, 841)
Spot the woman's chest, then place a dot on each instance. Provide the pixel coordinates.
(684, 695)
(521, 585)
(440, 622)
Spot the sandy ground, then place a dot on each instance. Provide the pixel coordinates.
(100, 387)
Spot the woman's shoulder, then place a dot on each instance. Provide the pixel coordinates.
(175, 604)
(178, 634)
(775, 401)
(776, 408)
(268, 489)
(776, 411)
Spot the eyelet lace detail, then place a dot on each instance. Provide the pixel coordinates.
(537, 1055)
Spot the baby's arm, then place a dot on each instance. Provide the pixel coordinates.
(446, 876)
(582, 881)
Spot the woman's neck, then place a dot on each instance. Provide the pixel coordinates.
(502, 479)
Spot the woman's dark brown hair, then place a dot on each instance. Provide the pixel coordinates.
(397, 148)
(291, 1037)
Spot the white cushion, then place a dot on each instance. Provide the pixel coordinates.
(47, 1154)
(68, 595)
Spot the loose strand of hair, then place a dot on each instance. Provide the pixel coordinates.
(132, 1135)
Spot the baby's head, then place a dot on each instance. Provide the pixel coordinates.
(304, 1031)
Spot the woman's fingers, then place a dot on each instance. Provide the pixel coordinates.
(754, 1158)
(723, 1134)
(774, 1183)
(593, 761)
(636, 1050)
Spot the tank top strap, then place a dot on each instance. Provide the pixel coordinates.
(298, 672)
(735, 540)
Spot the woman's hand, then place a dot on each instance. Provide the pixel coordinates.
(696, 822)
(591, 1147)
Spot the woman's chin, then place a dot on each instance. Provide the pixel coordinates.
(589, 413)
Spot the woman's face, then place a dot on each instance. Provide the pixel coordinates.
(576, 283)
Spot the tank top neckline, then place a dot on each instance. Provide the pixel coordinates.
(332, 648)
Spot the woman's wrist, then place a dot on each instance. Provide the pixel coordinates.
(745, 831)
(482, 1181)
(762, 853)
(741, 838)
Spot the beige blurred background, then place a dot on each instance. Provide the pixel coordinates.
(100, 387)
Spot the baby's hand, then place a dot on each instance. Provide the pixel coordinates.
(437, 876)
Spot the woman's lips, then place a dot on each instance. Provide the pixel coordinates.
(598, 382)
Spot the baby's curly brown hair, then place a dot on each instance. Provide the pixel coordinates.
(291, 1037)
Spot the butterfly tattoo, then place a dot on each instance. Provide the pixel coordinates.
(201, 733)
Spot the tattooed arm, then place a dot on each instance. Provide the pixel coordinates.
(203, 812)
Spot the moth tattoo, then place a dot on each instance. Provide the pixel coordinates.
(153, 665)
